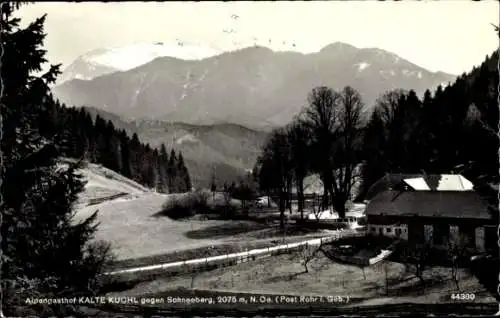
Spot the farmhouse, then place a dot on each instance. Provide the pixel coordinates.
(437, 209)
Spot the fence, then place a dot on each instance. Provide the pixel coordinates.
(196, 265)
(108, 198)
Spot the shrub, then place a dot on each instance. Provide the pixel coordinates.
(17, 292)
(198, 201)
(186, 205)
(175, 209)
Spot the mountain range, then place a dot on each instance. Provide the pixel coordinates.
(104, 61)
(254, 87)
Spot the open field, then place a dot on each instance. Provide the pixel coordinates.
(128, 216)
(284, 273)
(224, 247)
(130, 226)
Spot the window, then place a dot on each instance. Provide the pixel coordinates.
(468, 235)
(389, 230)
(398, 232)
(441, 233)
(374, 229)
(380, 230)
(490, 238)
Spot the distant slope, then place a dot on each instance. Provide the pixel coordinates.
(103, 184)
(254, 87)
(227, 149)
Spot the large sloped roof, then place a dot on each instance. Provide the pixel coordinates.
(446, 204)
(421, 182)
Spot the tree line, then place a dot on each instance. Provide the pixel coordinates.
(454, 130)
(100, 142)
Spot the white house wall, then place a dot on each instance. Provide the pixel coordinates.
(374, 229)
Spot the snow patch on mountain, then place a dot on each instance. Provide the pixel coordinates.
(82, 77)
(131, 56)
(188, 138)
(361, 66)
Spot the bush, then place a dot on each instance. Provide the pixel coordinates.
(186, 205)
(17, 292)
(225, 210)
(175, 209)
(96, 255)
(198, 201)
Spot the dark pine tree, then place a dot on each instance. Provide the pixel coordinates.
(172, 172)
(126, 169)
(44, 252)
(162, 170)
(183, 177)
(135, 157)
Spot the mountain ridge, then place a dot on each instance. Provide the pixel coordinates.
(253, 86)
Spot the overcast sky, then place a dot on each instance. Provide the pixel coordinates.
(448, 35)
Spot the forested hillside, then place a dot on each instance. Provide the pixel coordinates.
(98, 141)
(453, 130)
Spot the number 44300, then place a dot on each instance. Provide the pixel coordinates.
(462, 296)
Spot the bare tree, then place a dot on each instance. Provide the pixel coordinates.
(298, 136)
(387, 105)
(456, 250)
(362, 268)
(386, 276)
(417, 257)
(348, 147)
(276, 170)
(334, 120)
(321, 119)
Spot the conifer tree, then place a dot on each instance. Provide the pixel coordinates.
(135, 157)
(162, 169)
(213, 185)
(183, 178)
(126, 169)
(172, 172)
(44, 251)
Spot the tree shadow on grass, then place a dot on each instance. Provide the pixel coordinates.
(224, 230)
(406, 286)
(291, 230)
